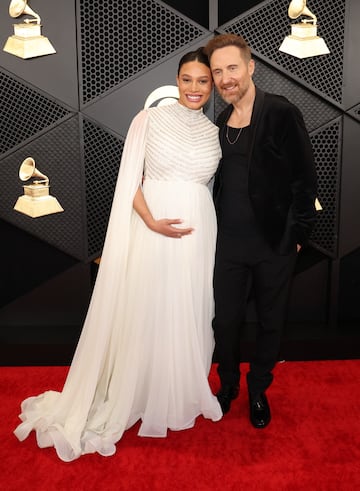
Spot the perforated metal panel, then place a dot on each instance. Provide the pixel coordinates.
(24, 112)
(355, 111)
(57, 155)
(315, 110)
(120, 39)
(326, 144)
(102, 153)
(265, 27)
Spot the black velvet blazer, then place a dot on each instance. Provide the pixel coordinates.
(282, 175)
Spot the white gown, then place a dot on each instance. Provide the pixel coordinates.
(146, 346)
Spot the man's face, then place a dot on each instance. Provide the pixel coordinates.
(231, 73)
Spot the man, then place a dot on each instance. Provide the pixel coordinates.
(264, 195)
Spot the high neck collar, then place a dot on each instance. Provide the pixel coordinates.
(190, 113)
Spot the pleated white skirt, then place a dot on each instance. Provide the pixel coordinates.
(157, 358)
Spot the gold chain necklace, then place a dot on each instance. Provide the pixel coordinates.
(237, 136)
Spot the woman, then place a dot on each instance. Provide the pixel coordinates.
(146, 346)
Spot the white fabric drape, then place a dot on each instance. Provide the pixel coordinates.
(146, 344)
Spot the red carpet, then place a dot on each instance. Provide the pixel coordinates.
(312, 443)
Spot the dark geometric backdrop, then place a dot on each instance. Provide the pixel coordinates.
(71, 110)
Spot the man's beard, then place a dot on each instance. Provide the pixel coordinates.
(235, 96)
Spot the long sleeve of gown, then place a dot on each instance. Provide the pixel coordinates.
(57, 416)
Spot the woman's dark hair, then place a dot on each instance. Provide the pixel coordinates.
(197, 55)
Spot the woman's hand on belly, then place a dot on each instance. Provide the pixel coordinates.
(165, 226)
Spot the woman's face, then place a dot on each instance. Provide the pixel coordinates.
(195, 84)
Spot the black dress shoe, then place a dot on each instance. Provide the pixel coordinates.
(226, 394)
(260, 414)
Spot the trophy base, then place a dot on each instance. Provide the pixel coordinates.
(303, 42)
(304, 47)
(37, 207)
(27, 42)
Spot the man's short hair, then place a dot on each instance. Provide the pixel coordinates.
(223, 40)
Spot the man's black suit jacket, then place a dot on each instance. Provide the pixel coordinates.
(281, 171)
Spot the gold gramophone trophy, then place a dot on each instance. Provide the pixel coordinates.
(303, 41)
(27, 41)
(36, 201)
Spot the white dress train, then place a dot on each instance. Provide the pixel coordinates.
(146, 345)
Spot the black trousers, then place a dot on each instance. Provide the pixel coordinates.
(237, 263)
